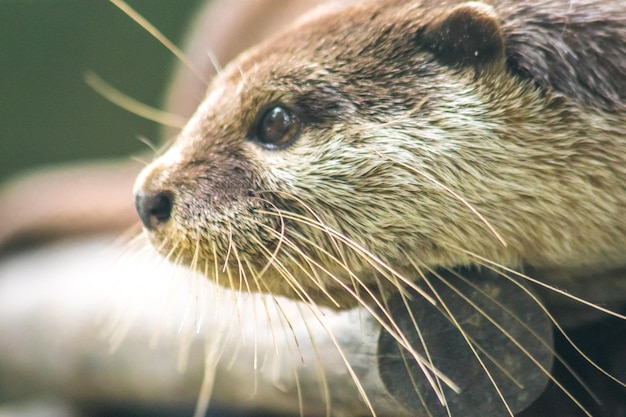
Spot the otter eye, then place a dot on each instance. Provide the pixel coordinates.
(277, 127)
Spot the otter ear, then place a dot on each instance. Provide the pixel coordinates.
(466, 35)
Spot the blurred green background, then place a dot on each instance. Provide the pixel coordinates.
(48, 114)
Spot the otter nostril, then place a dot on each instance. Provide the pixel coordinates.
(154, 209)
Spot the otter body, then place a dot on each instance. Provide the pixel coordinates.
(394, 137)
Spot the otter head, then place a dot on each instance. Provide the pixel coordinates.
(337, 156)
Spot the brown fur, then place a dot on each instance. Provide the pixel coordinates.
(431, 137)
(398, 112)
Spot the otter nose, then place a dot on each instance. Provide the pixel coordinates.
(154, 209)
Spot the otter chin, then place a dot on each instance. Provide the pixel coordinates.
(367, 145)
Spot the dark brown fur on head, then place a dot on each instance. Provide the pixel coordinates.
(414, 118)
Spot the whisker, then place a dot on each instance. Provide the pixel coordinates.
(396, 332)
(319, 316)
(236, 302)
(449, 191)
(308, 259)
(187, 337)
(281, 235)
(425, 365)
(230, 245)
(196, 281)
(236, 293)
(440, 394)
(333, 241)
(285, 319)
(202, 314)
(243, 76)
(214, 349)
(542, 284)
(291, 327)
(470, 345)
(243, 278)
(122, 322)
(284, 271)
(517, 343)
(158, 35)
(217, 274)
(380, 266)
(434, 383)
(308, 273)
(153, 147)
(319, 369)
(529, 329)
(500, 367)
(214, 62)
(258, 282)
(132, 105)
(567, 338)
(293, 284)
(140, 161)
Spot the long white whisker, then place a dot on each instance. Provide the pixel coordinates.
(449, 191)
(517, 344)
(132, 105)
(434, 383)
(541, 284)
(320, 369)
(380, 266)
(565, 335)
(258, 282)
(395, 331)
(308, 273)
(530, 329)
(469, 343)
(158, 35)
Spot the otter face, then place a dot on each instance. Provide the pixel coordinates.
(279, 176)
(339, 154)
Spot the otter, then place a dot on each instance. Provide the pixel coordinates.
(372, 141)
(352, 157)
